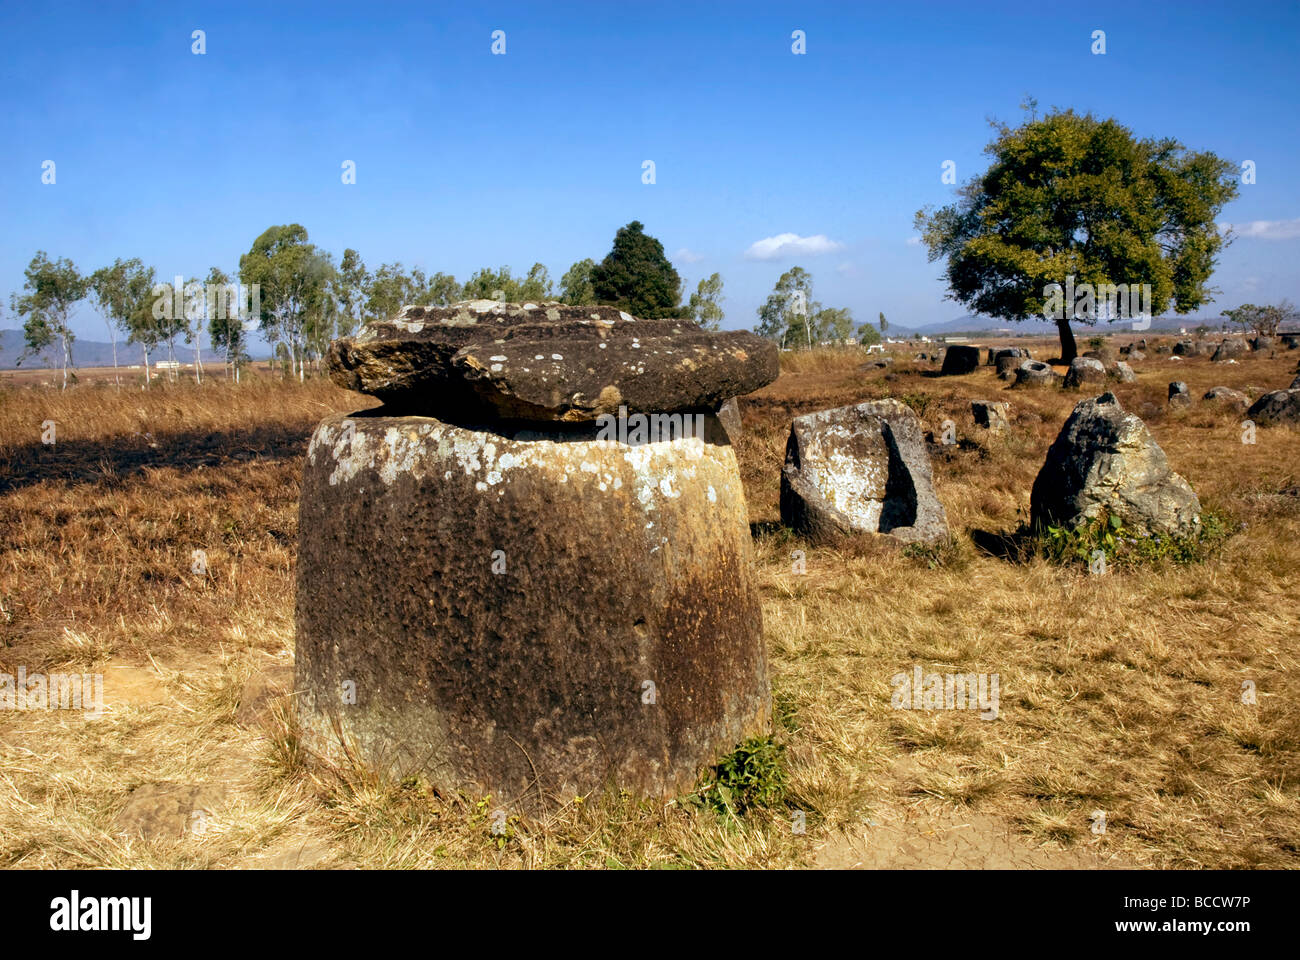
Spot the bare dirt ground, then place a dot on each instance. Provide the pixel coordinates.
(1120, 694)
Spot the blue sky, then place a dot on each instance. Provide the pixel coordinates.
(466, 159)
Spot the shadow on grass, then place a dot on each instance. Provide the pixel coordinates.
(1015, 546)
(118, 458)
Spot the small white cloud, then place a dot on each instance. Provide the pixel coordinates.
(1268, 229)
(688, 256)
(785, 245)
(913, 241)
(846, 270)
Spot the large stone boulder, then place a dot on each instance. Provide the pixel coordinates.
(1006, 366)
(1105, 460)
(1121, 371)
(484, 360)
(1085, 370)
(526, 613)
(1179, 395)
(1232, 348)
(860, 469)
(1278, 407)
(1192, 348)
(1229, 398)
(1035, 373)
(959, 359)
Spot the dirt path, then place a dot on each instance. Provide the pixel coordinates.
(923, 838)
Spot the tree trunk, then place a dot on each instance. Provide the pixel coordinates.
(1068, 348)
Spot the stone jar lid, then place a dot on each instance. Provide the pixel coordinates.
(547, 362)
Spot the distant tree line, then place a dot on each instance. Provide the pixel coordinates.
(305, 298)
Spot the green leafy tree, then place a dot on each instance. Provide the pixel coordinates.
(537, 285)
(1263, 321)
(1071, 196)
(489, 284)
(442, 290)
(575, 285)
(867, 335)
(290, 271)
(225, 326)
(349, 291)
(53, 287)
(784, 316)
(636, 276)
(832, 323)
(884, 324)
(391, 287)
(705, 305)
(121, 292)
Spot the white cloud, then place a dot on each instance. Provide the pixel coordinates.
(846, 270)
(688, 256)
(1268, 229)
(913, 241)
(786, 245)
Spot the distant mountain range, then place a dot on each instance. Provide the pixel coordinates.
(88, 353)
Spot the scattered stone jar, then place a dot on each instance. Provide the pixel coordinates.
(528, 573)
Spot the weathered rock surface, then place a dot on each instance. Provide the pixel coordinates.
(481, 360)
(729, 417)
(1178, 394)
(1121, 371)
(1232, 348)
(1135, 355)
(1228, 397)
(861, 469)
(991, 415)
(1006, 367)
(1278, 407)
(959, 359)
(1035, 373)
(1105, 460)
(526, 612)
(1192, 348)
(1085, 370)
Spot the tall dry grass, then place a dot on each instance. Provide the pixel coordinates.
(1119, 693)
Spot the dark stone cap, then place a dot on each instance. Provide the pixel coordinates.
(547, 362)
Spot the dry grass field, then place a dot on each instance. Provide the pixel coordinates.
(1120, 693)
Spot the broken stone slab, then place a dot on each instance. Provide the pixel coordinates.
(1228, 397)
(860, 469)
(959, 359)
(1278, 407)
(1121, 371)
(532, 613)
(1105, 460)
(1232, 348)
(991, 415)
(729, 417)
(482, 361)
